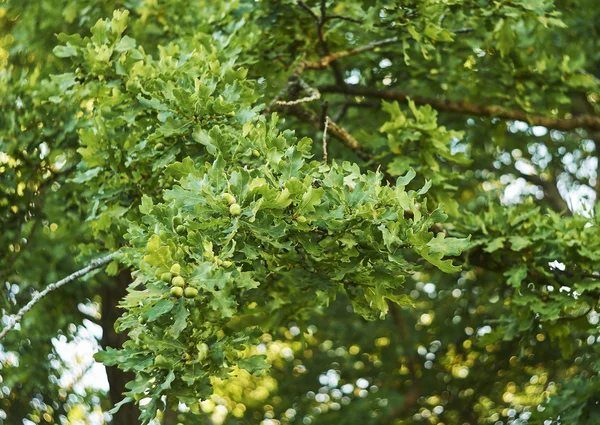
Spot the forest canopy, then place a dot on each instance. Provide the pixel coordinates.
(299, 212)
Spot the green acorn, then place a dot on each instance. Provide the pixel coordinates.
(166, 277)
(178, 281)
(235, 210)
(175, 269)
(177, 291)
(190, 292)
(229, 198)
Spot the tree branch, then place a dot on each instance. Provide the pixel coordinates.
(313, 94)
(332, 57)
(94, 264)
(294, 108)
(326, 60)
(325, 139)
(320, 21)
(308, 9)
(563, 124)
(344, 18)
(333, 128)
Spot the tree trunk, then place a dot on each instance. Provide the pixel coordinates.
(169, 417)
(111, 295)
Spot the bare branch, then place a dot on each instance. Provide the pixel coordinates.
(325, 139)
(308, 9)
(313, 94)
(319, 22)
(326, 60)
(94, 264)
(275, 100)
(293, 108)
(344, 18)
(325, 120)
(332, 57)
(333, 128)
(461, 107)
(323, 11)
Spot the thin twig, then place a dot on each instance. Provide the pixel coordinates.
(344, 18)
(94, 264)
(313, 94)
(325, 61)
(334, 129)
(342, 111)
(324, 111)
(308, 9)
(323, 11)
(320, 22)
(275, 100)
(325, 139)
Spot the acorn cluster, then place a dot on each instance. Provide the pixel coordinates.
(179, 287)
(234, 208)
(178, 225)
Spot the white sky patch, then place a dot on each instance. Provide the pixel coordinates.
(385, 63)
(83, 371)
(581, 199)
(362, 383)
(484, 330)
(524, 167)
(429, 288)
(354, 77)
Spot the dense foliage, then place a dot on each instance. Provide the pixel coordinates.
(321, 210)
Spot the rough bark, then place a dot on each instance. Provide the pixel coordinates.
(111, 294)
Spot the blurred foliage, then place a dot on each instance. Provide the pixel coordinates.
(442, 270)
